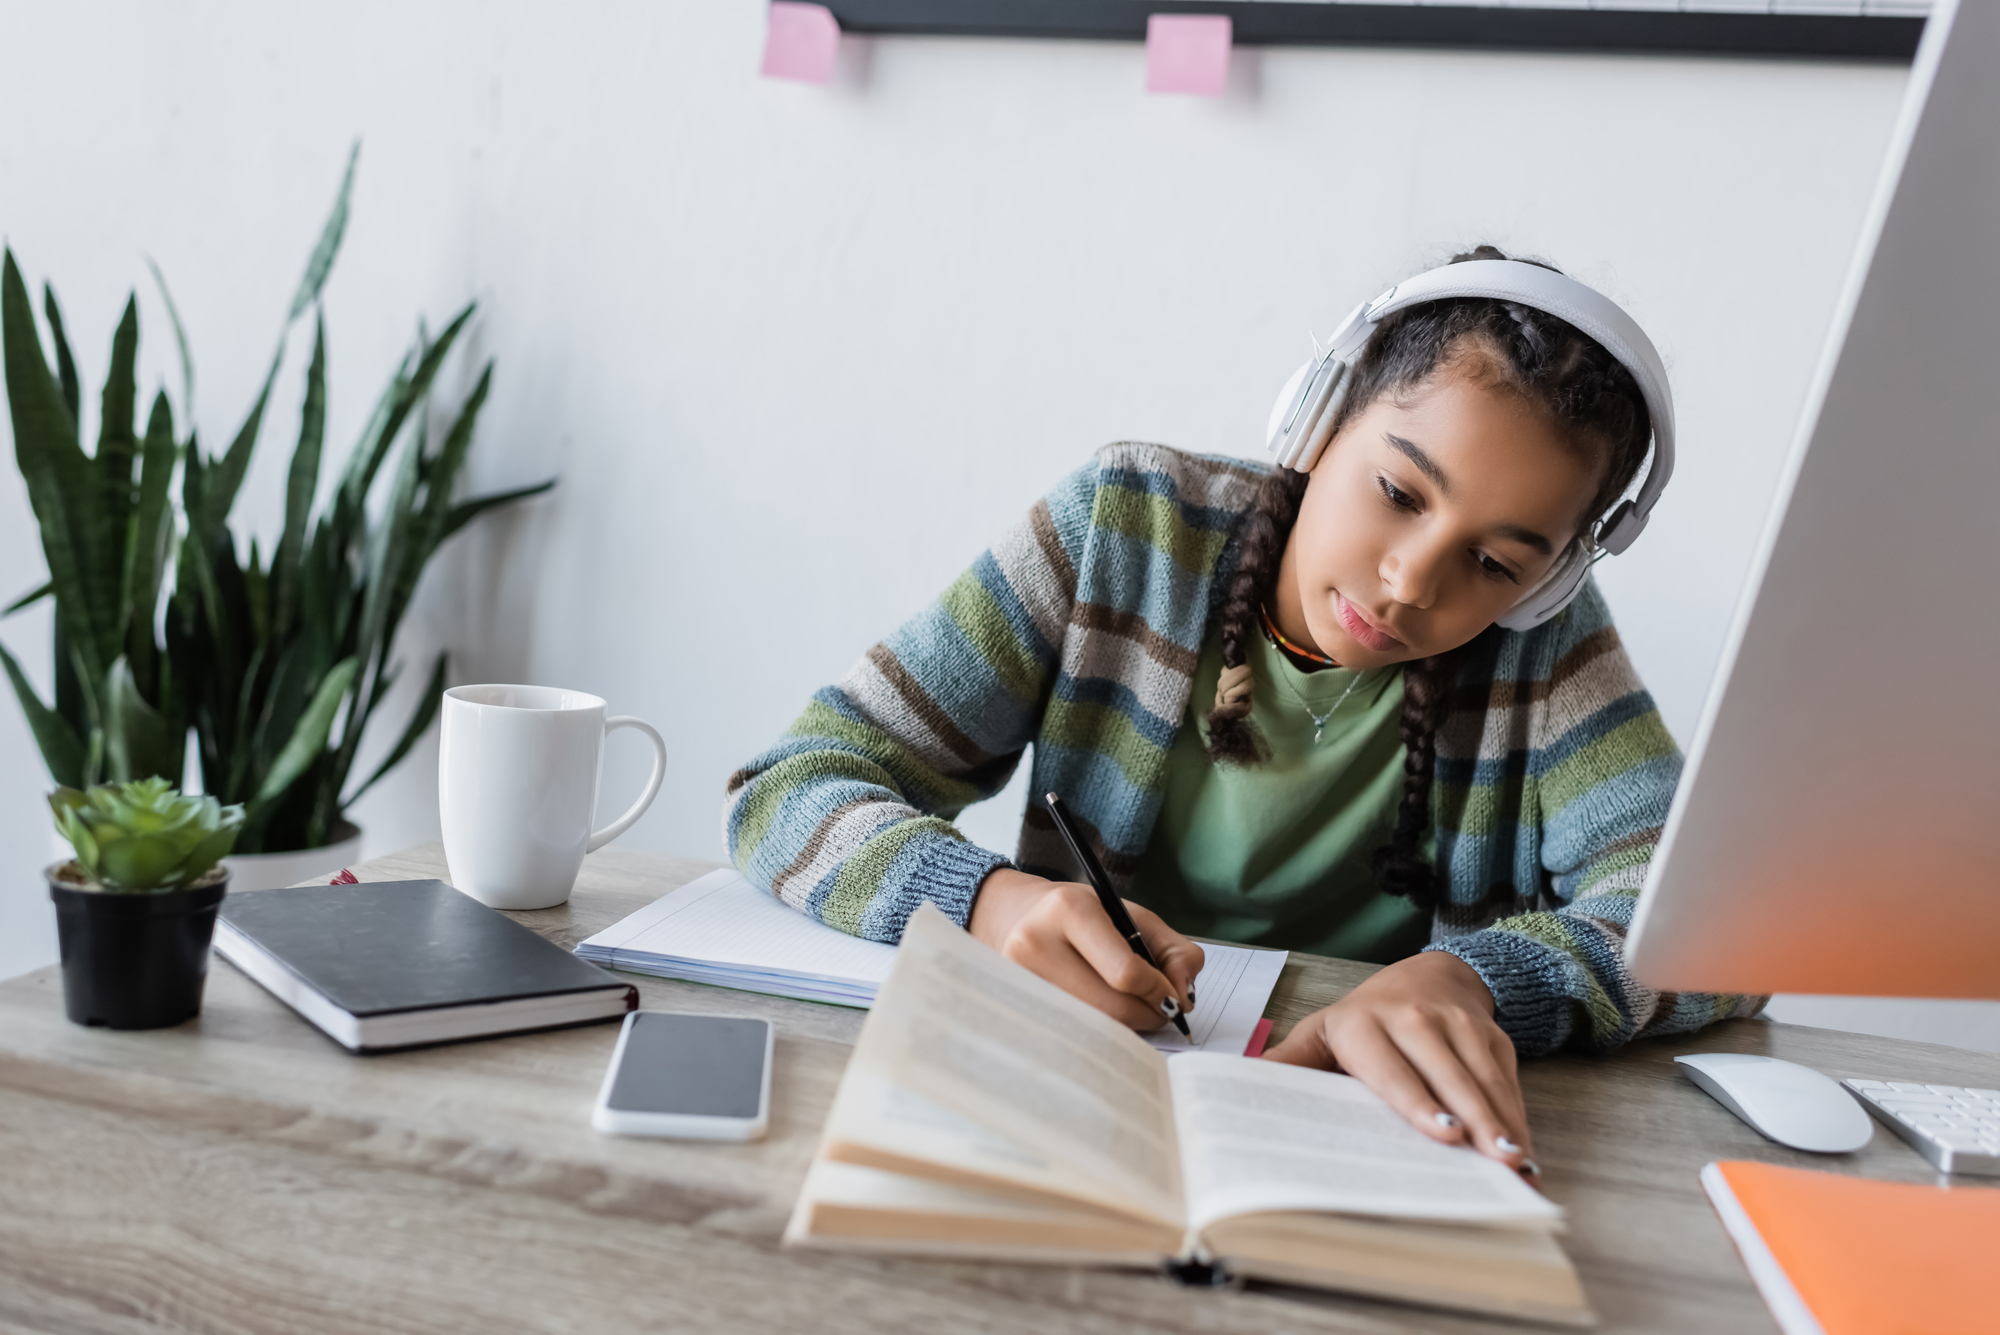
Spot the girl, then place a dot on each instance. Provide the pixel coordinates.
(1282, 706)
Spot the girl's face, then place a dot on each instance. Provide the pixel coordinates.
(1426, 519)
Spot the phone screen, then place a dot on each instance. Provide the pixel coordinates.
(694, 1065)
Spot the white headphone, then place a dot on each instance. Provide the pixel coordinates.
(1302, 419)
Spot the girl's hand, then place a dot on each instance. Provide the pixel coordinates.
(1059, 931)
(1421, 1034)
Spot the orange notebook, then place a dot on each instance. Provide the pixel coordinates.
(1837, 1255)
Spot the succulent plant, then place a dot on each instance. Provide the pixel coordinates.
(145, 836)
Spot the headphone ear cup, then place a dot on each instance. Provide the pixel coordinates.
(1312, 425)
(1555, 590)
(1276, 438)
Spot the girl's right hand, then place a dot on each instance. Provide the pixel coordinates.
(1060, 932)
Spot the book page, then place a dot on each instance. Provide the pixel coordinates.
(1259, 1135)
(1065, 1099)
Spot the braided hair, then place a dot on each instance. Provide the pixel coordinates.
(1599, 412)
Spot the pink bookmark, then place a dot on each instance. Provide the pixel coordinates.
(800, 42)
(1255, 1047)
(1187, 53)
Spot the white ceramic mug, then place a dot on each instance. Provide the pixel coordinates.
(517, 787)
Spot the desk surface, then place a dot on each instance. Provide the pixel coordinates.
(244, 1173)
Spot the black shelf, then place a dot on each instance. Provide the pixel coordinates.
(1290, 23)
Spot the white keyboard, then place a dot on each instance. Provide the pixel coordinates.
(1956, 1129)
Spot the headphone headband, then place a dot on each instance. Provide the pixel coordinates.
(1302, 420)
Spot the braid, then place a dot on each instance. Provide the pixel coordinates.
(1232, 737)
(1400, 866)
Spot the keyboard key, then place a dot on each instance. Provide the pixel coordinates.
(1960, 1127)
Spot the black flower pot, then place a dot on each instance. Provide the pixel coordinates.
(133, 961)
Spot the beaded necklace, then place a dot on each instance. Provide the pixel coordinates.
(1278, 638)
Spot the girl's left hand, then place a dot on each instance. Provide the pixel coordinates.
(1421, 1034)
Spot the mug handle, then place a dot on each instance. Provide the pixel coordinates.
(600, 838)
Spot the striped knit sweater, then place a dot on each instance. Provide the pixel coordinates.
(1079, 632)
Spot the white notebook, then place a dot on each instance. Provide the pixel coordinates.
(724, 931)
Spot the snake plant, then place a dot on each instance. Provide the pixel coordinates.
(280, 664)
(106, 524)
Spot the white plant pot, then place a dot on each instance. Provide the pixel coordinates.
(273, 871)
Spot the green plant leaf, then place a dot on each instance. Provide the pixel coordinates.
(321, 261)
(152, 531)
(72, 388)
(275, 700)
(249, 756)
(117, 447)
(221, 478)
(405, 392)
(308, 740)
(304, 480)
(72, 697)
(180, 340)
(142, 835)
(61, 748)
(441, 477)
(420, 721)
(139, 741)
(28, 599)
(206, 621)
(374, 632)
(386, 554)
(465, 512)
(57, 473)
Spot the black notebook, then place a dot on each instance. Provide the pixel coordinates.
(393, 964)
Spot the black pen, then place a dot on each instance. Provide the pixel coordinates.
(1114, 907)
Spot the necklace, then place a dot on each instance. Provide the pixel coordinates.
(1319, 720)
(1277, 637)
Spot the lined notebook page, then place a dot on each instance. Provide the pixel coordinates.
(1230, 994)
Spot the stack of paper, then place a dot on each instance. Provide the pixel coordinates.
(724, 931)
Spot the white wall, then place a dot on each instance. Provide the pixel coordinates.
(797, 352)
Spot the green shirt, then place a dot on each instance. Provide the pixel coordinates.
(1279, 853)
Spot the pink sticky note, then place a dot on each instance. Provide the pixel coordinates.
(1258, 1037)
(801, 42)
(1187, 53)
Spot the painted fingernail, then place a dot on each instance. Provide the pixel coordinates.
(1190, 996)
(1505, 1146)
(1529, 1168)
(1445, 1120)
(1170, 1008)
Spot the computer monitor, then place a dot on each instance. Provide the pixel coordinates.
(1838, 826)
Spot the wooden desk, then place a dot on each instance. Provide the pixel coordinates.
(242, 1173)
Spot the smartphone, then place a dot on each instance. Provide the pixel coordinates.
(691, 1077)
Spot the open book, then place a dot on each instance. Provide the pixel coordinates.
(987, 1113)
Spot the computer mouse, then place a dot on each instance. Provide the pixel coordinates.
(1783, 1101)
